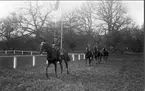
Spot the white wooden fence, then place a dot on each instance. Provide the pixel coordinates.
(22, 52)
(34, 56)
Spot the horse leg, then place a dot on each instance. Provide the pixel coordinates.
(60, 62)
(66, 63)
(103, 57)
(100, 57)
(86, 61)
(96, 59)
(89, 61)
(106, 58)
(46, 69)
(55, 64)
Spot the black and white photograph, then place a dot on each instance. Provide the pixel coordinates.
(72, 45)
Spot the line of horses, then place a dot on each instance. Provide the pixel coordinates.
(55, 55)
(98, 54)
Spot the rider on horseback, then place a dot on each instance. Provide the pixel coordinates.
(43, 42)
(88, 48)
(88, 54)
(53, 45)
(53, 56)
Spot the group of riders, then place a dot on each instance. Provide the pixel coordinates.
(96, 52)
(91, 51)
(55, 55)
(95, 48)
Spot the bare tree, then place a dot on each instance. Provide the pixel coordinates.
(35, 17)
(82, 20)
(71, 21)
(112, 14)
(86, 20)
(85, 14)
(10, 28)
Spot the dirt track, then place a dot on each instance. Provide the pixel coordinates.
(119, 73)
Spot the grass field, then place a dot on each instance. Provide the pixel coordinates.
(119, 73)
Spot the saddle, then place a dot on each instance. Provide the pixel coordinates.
(54, 53)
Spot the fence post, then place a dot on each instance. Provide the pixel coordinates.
(73, 57)
(14, 52)
(15, 62)
(46, 61)
(79, 57)
(33, 60)
(84, 56)
(22, 53)
(31, 53)
(6, 52)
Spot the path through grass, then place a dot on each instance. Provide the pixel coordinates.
(120, 73)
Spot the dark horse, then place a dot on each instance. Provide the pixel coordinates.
(98, 55)
(105, 54)
(54, 56)
(89, 56)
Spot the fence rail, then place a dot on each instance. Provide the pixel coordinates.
(73, 55)
(16, 51)
(33, 54)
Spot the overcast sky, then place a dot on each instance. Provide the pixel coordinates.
(135, 8)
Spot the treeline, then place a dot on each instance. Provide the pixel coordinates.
(104, 23)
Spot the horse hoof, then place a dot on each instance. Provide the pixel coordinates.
(56, 76)
(47, 77)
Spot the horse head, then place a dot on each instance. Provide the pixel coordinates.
(44, 47)
(41, 47)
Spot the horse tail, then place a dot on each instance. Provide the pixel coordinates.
(68, 58)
